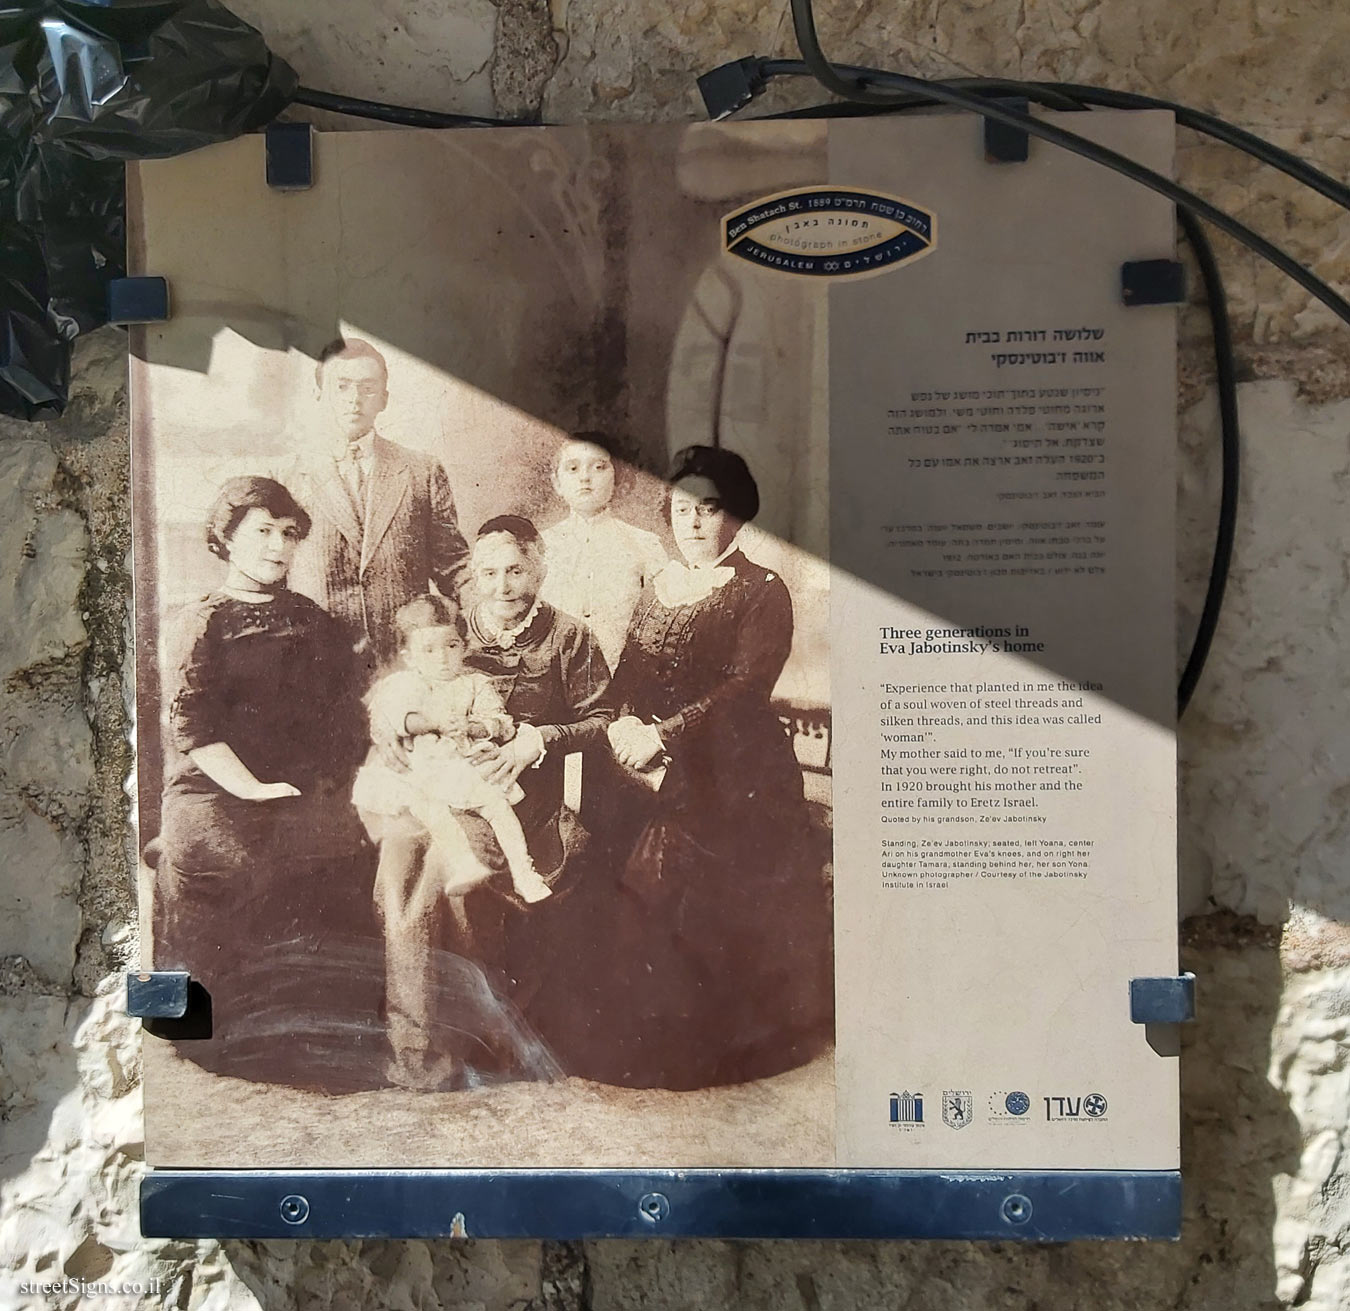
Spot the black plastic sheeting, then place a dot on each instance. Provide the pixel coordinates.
(85, 86)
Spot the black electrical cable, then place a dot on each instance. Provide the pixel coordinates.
(1226, 378)
(1198, 121)
(394, 113)
(825, 74)
(1223, 358)
(991, 86)
(1072, 95)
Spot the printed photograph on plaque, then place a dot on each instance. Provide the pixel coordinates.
(654, 649)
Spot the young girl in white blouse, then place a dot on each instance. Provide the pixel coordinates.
(598, 564)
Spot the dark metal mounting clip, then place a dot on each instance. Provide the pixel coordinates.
(157, 994)
(1003, 143)
(1153, 282)
(290, 156)
(1163, 1001)
(138, 300)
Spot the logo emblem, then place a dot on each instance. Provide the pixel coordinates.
(957, 1108)
(1017, 1103)
(1092, 1105)
(829, 232)
(907, 1108)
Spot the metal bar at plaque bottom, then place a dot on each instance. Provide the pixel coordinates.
(1044, 1206)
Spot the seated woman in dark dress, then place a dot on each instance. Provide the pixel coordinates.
(262, 878)
(719, 934)
(549, 670)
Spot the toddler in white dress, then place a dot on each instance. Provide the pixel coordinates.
(439, 710)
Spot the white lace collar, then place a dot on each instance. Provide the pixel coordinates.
(682, 584)
(506, 638)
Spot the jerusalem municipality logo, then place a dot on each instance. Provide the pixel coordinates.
(957, 1108)
(830, 232)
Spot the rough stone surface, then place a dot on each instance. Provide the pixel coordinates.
(431, 54)
(525, 56)
(1266, 1092)
(1264, 782)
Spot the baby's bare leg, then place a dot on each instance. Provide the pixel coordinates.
(451, 851)
(511, 838)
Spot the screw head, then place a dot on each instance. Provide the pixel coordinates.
(653, 1207)
(1016, 1209)
(294, 1209)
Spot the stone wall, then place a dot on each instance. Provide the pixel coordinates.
(1265, 832)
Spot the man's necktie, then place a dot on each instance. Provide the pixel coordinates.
(355, 479)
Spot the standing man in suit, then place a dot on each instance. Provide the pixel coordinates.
(384, 526)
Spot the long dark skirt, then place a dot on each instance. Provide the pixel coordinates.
(281, 938)
(681, 967)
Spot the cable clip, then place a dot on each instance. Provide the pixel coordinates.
(730, 87)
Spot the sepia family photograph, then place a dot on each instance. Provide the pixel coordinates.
(484, 717)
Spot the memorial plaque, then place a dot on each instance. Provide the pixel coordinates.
(655, 654)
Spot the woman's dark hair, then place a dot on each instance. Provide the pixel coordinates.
(513, 525)
(521, 531)
(726, 471)
(240, 495)
(429, 611)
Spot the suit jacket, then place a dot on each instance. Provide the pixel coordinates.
(410, 541)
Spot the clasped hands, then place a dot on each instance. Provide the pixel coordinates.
(502, 763)
(634, 743)
(498, 763)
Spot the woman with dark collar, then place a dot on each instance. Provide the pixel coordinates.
(262, 882)
(547, 668)
(720, 930)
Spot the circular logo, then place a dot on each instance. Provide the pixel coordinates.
(1018, 1103)
(1095, 1105)
(833, 232)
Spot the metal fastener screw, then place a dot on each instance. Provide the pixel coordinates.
(1016, 1209)
(294, 1209)
(654, 1207)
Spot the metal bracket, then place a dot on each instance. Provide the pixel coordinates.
(1163, 1001)
(1153, 282)
(290, 156)
(157, 994)
(138, 300)
(1003, 143)
(1034, 1206)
